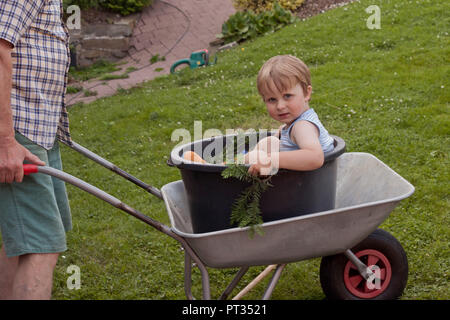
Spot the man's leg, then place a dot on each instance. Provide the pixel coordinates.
(34, 276)
(8, 268)
(34, 217)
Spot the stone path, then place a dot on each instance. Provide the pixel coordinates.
(170, 28)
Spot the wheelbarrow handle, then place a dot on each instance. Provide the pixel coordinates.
(111, 166)
(31, 169)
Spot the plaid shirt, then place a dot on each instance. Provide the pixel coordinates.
(41, 60)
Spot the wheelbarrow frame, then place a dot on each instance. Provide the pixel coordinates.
(190, 253)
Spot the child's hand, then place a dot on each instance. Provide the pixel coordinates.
(263, 164)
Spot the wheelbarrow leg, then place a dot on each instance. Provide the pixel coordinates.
(364, 271)
(233, 283)
(273, 282)
(188, 278)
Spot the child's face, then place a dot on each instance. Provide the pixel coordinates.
(288, 105)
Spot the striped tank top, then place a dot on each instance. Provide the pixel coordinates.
(326, 141)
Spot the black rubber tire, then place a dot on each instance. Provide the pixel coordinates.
(332, 268)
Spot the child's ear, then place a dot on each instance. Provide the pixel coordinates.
(308, 93)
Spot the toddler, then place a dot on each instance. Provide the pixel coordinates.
(284, 83)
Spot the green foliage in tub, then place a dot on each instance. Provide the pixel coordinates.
(245, 211)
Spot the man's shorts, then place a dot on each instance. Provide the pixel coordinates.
(35, 214)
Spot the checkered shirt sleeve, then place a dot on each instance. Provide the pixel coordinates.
(41, 60)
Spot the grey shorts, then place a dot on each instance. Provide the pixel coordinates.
(35, 214)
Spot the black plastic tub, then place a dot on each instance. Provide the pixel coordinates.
(210, 197)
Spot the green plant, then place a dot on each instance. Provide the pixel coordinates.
(130, 69)
(155, 58)
(125, 7)
(83, 4)
(89, 93)
(106, 77)
(123, 75)
(101, 70)
(73, 89)
(247, 25)
(261, 5)
(245, 210)
(97, 69)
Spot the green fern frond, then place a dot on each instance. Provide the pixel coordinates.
(245, 211)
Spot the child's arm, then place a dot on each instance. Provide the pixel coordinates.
(310, 156)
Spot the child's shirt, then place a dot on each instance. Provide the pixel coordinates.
(326, 141)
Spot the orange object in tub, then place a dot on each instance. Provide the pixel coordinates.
(192, 156)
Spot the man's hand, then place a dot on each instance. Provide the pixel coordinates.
(12, 155)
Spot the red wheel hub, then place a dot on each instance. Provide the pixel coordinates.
(381, 268)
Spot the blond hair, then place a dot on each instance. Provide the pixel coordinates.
(282, 73)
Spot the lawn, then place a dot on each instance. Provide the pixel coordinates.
(383, 91)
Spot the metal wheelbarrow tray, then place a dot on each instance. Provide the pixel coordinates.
(367, 191)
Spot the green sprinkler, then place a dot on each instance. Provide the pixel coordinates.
(198, 59)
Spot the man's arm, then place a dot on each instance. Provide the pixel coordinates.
(6, 126)
(12, 154)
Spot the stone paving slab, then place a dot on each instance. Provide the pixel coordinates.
(170, 28)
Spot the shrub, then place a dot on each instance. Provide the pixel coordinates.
(247, 24)
(83, 4)
(124, 7)
(262, 5)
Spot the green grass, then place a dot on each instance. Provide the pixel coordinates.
(384, 91)
(102, 70)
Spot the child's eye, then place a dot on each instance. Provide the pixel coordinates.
(287, 95)
(271, 100)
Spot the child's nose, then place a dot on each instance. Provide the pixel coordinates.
(281, 104)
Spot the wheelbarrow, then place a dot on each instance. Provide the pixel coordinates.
(359, 261)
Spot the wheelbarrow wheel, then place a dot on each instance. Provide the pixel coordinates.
(381, 252)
